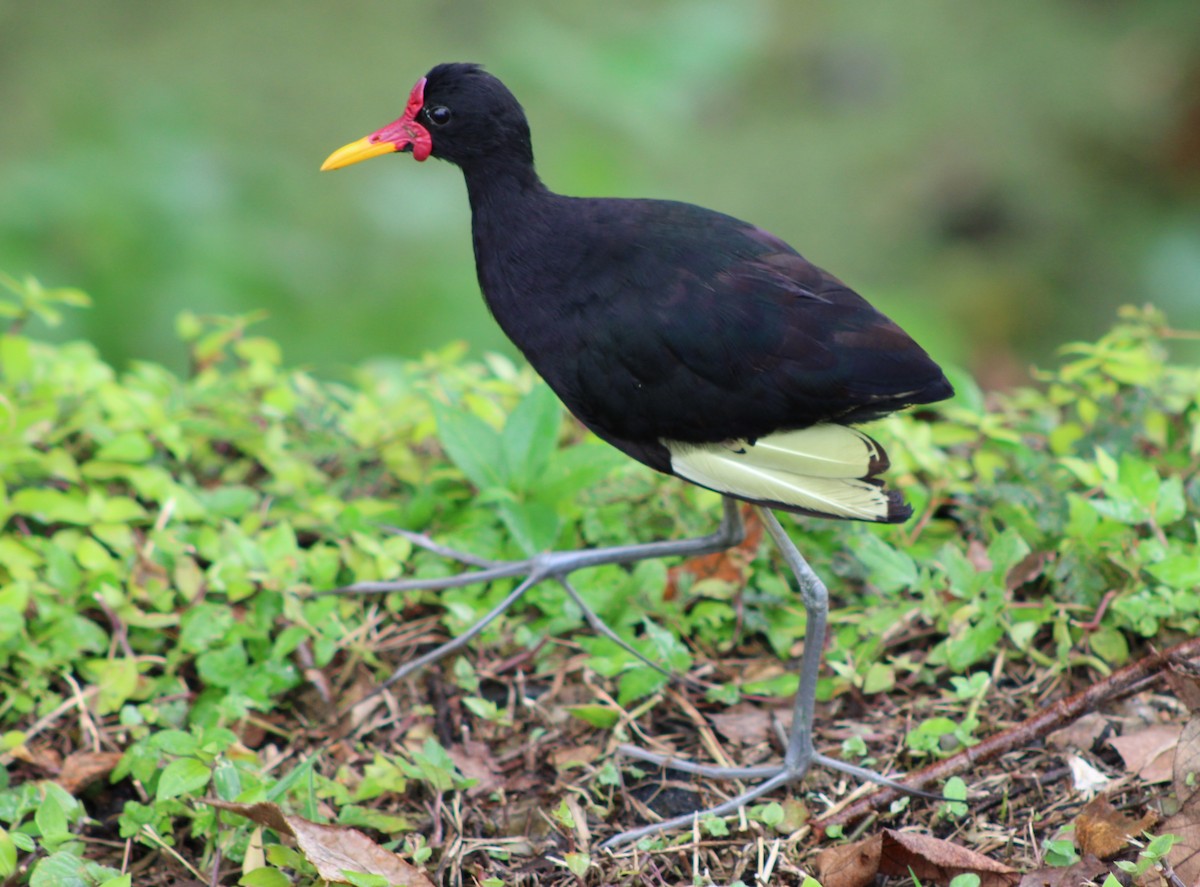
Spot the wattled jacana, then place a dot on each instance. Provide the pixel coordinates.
(699, 345)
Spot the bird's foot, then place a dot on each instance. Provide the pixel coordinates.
(556, 565)
(773, 776)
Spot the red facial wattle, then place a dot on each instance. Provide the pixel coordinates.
(405, 134)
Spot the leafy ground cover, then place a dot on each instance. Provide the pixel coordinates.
(180, 704)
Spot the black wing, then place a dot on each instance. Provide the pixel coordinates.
(707, 328)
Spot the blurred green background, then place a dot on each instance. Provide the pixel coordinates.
(998, 176)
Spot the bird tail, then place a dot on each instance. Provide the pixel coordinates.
(825, 470)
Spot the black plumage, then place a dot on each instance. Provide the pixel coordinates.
(657, 321)
(694, 342)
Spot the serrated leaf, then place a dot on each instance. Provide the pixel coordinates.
(889, 568)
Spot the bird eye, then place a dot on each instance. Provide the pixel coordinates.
(439, 115)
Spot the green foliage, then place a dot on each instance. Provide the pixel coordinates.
(162, 536)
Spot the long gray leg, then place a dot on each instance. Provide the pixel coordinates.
(551, 565)
(799, 754)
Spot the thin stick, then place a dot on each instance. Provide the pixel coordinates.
(1020, 736)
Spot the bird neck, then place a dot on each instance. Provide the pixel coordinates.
(499, 188)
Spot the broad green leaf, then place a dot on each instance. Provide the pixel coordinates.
(472, 445)
(530, 436)
(8, 854)
(879, 678)
(533, 525)
(182, 777)
(1178, 571)
(51, 820)
(599, 716)
(889, 568)
(129, 446)
(49, 506)
(265, 876)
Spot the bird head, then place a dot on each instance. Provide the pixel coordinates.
(456, 112)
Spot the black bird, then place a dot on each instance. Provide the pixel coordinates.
(698, 344)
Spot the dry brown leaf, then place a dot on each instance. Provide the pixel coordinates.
(850, 865)
(573, 755)
(474, 760)
(41, 756)
(1103, 831)
(1081, 734)
(1089, 868)
(1150, 752)
(744, 723)
(978, 556)
(931, 860)
(82, 768)
(1185, 855)
(331, 849)
(1027, 569)
(1186, 688)
(728, 565)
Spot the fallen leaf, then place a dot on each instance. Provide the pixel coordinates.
(1086, 778)
(332, 849)
(728, 565)
(978, 556)
(849, 865)
(40, 756)
(82, 768)
(1185, 855)
(1186, 688)
(1150, 752)
(1081, 734)
(1089, 868)
(905, 854)
(933, 860)
(1027, 569)
(1103, 831)
(744, 723)
(573, 755)
(474, 760)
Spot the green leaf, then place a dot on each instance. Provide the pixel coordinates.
(60, 869)
(472, 445)
(185, 776)
(50, 506)
(889, 568)
(1178, 571)
(364, 879)
(264, 876)
(8, 854)
(599, 716)
(129, 446)
(534, 525)
(51, 820)
(530, 436)
(879, 678)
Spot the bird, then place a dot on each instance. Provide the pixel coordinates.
(700, 345)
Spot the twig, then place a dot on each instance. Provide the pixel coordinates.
(1064, 711)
